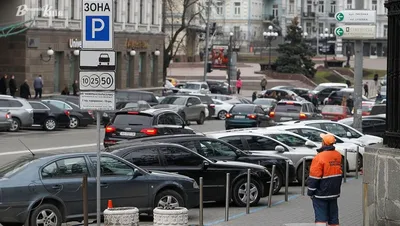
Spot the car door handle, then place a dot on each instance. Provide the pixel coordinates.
(56, 187)
(104, 185)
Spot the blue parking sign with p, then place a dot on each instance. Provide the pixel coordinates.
(97, 28)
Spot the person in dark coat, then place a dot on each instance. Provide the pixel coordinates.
(24, 90)
(350, 103)
(12, 85)
(75, 88)
(3, 85)
(65, 91)
(254, 96)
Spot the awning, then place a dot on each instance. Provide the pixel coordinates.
(15, 29)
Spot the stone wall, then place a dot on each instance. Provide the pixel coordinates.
(381, 190)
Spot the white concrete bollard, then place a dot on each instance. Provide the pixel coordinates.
(175, 217)
(121, 216)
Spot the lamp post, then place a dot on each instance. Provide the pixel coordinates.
(128, 57)
(230, 51)
(72, 57)
(50, 53)
(326, 35)
(269, 36)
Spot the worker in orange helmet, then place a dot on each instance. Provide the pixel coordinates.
(324, 182)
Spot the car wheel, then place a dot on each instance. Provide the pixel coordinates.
(73, 122)
(300, 172)
(15, 125)
(222, 115)
(50, 124)
(239, 192)
(278, 181)
(46, 214)
(169, 199)
(201, 119)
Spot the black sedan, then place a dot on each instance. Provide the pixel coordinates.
(132, 106)
(372, 125)
(176, 158)
(48, 116)
(79, 118)
(247, 115)
(46, 189)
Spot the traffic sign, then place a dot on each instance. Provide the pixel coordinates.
(356, 32)
(97, 80)
(97, 24)
(100, 60)
(356, 16)
(99, 101)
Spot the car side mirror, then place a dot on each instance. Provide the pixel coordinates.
(310, 144)
(205, 165)
(136, 173)
(280, 149)
(348, 134)
(189, 104)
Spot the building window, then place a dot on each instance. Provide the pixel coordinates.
(40, 5)
(153, 12)
(385, 31)
(220, 9)
(349, 4)
(321, 28)
(332, 28)
(333, 6)
(236, 32)
(373, 6)
(237, 8)
(141, 12)
(128, 12)
(275, 11)
(309, 6)
(56, 8)
(321, 6)
(72, 9)
(291, 6)
(309, 28)
(115, 10)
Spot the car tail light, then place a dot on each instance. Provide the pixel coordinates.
(303, 116)
(227, 115)
(271, 114)
(150, 132)
(133, 112)
(212, 105)
(110, 129)
(8, 116)
(67, 113)
(291, 103)
(250, 116)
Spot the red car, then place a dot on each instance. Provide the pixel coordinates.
(367, 107)
(335, 112)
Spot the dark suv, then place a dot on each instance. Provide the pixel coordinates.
(336, 97)
(294, 110)
(219, 87)
(219, 150)
(205, 99)
(127, 125)
(134, 96)
(178, 159)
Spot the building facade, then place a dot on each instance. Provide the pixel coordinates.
(56, 24)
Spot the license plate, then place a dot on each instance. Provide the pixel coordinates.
(286, 119)
(130, 134)
(239, 116)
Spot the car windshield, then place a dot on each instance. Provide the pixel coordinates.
(174, 100)
(264, 101)
(336, 109)
(319, 88)
(133, 120)
(191, 86)
(10, 168)
(246, 109)
(288, 108)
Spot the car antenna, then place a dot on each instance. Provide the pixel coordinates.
(33, 154)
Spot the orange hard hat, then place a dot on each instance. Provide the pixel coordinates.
(328, 139)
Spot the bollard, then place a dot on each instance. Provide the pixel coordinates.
(248, 192)
(85, 200)
(227, 197)
(345, 167)
(303, 177)
(287, 182)
(271, 187)
(201, 202)
(357, 159)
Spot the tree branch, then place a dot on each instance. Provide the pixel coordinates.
(178, 46)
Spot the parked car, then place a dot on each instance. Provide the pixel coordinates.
(182, 160)
(195, 87)
(78, 117)
(286, 110)
(56, 194)
(189, 108)
(247, 115)
(48, 116)
(323, 90)
(378, 109)
(5, 120)
(335, 112)
(336, 97)
(267, 104)
(215, 149)
(206, 100)
(135, 96)
(127, 125)
(69, 98)
(302, 92)
(283, 87)
(123, 106)
(219, 87)
(279, 94)
(221, 109)
(20, 109)
(371, 125)
(367, 107)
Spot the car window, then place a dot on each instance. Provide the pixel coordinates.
(311, 107)
(10, 168)
(177, 157)
(194, 101)
(235, 141)
(133, 120)
(259, 110)
(375, 122)
(169, 119)
(15, 103)
(213, 148)
(258, 143)
(4, 103)
(191, 86)
(243, 108)
(58, 104)
(190, 145)
(204, 86)
(112, 167)
(313, 135)
(144, 157)
(282, 107)
(305, 108)
(315, 125)
(174, 100)
(38, 106)
(148, 97)
(289, 140)
(69, 167)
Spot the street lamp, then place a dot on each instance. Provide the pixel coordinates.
(49, 52)
(157, 52)
(326, 35)
(269, 36)
(230, 50)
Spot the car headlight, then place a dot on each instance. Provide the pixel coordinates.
(195, 185)
(105, 114)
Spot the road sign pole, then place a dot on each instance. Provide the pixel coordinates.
(98, 172)
(358, 77)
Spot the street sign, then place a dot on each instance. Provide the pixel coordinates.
(356, 32)
(356, 16)
(98, 101)
(97, 80)
(97, 60)
(97, 24)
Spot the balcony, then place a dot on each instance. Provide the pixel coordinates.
(310, 15)
(268, 18)
(331, 14)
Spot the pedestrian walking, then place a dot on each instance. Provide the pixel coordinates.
(38, 86)
(238, 73)
(366, 89)
(3, 85)
(12, 85)
(238, 85)
(350, 103)
(324, 182)
(25, 90)
(254, 96)
(75, 88)
(263, 83)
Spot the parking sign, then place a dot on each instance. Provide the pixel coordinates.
(97, 24)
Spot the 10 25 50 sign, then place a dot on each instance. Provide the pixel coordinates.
(97, 80)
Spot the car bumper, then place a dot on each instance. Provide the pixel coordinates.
(13, 213)
(5, 125)
(239, 124)
(192, 198)
(86, 121)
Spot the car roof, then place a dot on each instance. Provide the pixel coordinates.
(150, 111)
(193, 82)
(294, 101)
(332, 84)
(163, 137)
(245, 131)
(121, 147)
(347, 90)
(307, 121)
(133, 91)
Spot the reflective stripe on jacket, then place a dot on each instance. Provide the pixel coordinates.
(325, 177)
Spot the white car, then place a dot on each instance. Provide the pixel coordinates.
(195, 87)
(221, 108)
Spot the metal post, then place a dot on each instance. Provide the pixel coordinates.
(271, 186)
(287, 182)
(248, 192)
(358, 77)
(230, 62)
(85, 200)
(207, 37)
(345, 167)
(98, 191)
(326, 45)
(227, 196)
(269, 54)
(357, 160)
(303, 177)
(317, 24)
(201, 202)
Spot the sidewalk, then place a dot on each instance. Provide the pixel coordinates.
(300, 210)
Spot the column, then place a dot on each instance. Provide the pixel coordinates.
(66, 5)
(136, 13)
(148, 14)
(132, 9)
(159, 13)
(78, 7)
(122, 6)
